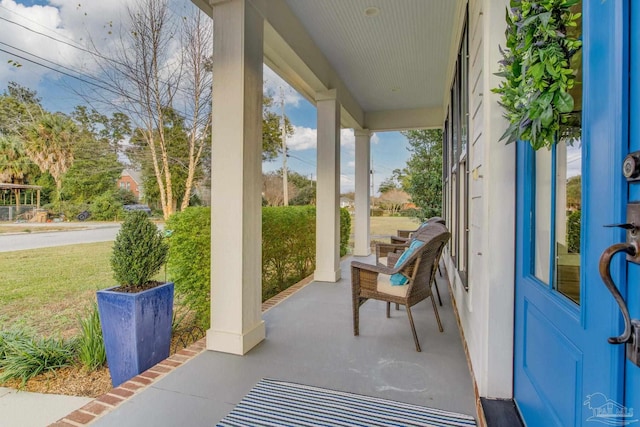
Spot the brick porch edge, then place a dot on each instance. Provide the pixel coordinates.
(109, 401)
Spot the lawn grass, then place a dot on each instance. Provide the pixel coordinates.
(47, 289)
(388, 225)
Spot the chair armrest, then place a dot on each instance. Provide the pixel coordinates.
(378, 269)
(400, 240)
(383, 249)
(404, 233)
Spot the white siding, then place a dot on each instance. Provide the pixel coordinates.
(486, 310)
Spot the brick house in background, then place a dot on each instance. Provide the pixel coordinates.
(131, 180)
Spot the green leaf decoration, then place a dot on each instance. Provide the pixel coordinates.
(535, 69)
(564, 102)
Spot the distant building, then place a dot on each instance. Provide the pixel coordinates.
(131, 180)
(346, 202)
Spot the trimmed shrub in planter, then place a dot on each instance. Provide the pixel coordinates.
(136, 316)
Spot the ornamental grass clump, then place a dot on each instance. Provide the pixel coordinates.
(91, 350)
(542, 39)
(139, 251)
(25, 356)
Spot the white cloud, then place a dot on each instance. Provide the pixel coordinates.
(303, 138)
(21, 42)
(347, 182)
(275, 87)
(351, 164)
(347, 139)
(63, 24)
(375, 138)
(574, 159)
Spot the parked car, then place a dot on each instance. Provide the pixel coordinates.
(131, 208)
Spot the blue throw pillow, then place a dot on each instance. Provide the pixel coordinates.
(399, 279)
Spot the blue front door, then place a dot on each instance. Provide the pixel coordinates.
(565, 371)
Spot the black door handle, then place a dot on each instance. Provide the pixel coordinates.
(626, 226)
(605, 273)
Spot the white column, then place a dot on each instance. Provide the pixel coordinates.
(363, 156)
(236, 224)
(328, 189)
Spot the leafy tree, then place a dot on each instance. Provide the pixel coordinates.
(424, 170)
(305, 189)
(272, 130)
(397, 181)
(19, 108)
(574, 192)
(95, 168)
(111, 130)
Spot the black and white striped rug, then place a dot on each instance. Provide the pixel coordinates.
(279, 403)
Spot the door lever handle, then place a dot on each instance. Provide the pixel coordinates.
(626, 226)
(605, 273)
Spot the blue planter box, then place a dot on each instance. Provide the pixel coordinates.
(136, 328)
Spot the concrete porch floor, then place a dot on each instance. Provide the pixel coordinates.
(310, 341)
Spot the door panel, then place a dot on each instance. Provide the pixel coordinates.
(561, 351)
(632, 372)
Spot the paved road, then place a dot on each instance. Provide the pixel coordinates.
(22, 241)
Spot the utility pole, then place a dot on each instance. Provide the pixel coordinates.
(372, 183)
(285, 177)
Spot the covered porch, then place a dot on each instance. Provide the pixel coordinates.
(309, 341)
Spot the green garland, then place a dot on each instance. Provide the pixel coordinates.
(537, 71)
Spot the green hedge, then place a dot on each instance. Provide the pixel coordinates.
(189, 261)
(288, 251)
(288, 246)
(573, 232)
(345, 231)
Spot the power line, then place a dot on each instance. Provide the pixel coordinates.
(75, 46)
(301, 160)
(36, 22)
(43, 59)
(100, 86)
(56, 39)
(62, 72)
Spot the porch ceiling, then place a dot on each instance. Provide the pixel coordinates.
(395, 59)
(388, 59)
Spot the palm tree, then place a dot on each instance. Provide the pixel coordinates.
(49, 144)
(15, 165)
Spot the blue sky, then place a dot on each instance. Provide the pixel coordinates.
(388, 149)
(74, 22)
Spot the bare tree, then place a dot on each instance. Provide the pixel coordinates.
(197, 42)
(272, 189)
(393, 200)
(159, 65)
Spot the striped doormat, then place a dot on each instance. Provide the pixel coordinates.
(279, 403)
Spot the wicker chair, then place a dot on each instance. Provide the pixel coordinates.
(404, 236)
(372, 281)
(388, 253)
